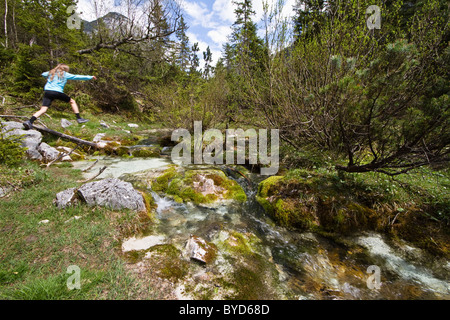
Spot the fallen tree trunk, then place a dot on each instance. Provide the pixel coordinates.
(67, 137)
(20, 117)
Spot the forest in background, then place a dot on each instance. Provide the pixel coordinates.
(361, 99)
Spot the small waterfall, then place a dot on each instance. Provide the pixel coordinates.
(163, 203)
(378, 247)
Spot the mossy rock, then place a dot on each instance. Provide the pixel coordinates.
(130, 140)
(123, 151)
(75, 156)
(252, 276)
(200, 250)
(308, 200)
(416, 227)
(146, 152)
(161, 183)
(168, 262)
(288, 212)
(150, 204)
(204, 186)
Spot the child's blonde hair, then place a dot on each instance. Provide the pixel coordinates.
(59, 70)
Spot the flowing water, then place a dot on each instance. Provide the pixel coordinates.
(256, 259)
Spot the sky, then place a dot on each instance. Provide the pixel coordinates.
(209, 21)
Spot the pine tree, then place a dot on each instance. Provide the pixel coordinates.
(184, 51)
(194, 60)
(246, 49)
(307, 18)
(207, 57)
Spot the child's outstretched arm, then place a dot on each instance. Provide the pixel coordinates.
(70, 76)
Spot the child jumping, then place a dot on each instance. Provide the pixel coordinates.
(54, 89)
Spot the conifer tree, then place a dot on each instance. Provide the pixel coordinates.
(246, 49)
(207, 57)
(184, 51)
(194, 60)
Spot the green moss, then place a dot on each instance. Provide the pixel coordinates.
(122, 151)
(174, 185)
(150, 204)
(210, 198)
(161, 183)
(234, 190)
(265, 186)
(252, 279)
(181, 186)
(291, 213)
(310, 200)
(237, 193)
(250, 283)
(77, 156)
(168, 262)
(238, 243)
(130, 140)
(267, 206)
(146, 152)
(134, 256)
(188, 193)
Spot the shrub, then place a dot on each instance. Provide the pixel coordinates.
(11, 150)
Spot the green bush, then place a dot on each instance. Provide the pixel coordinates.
(11, 150)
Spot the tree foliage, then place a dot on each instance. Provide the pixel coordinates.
(371, 99)
(379, 98)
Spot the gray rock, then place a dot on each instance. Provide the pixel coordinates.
(98, 137)
(30, 138)
(48, 153)
(104, 124)
(3, 191)
(65, 198)
(198, 249)
(112, 193)
(133, 125)
(65, 123)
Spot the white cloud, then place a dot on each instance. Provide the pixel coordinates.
(224, 9)
(200, 14)
(86, 10)
(220, 35)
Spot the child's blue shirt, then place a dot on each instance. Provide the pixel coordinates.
(58, 84)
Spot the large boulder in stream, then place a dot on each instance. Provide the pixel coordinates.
(204, 187)
(309, 200)
(111, 193)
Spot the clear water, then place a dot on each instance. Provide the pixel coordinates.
(116, 166)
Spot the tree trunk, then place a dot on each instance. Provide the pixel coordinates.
(6, 24)
(67, 137)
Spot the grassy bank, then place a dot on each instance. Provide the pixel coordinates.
(34, 256)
